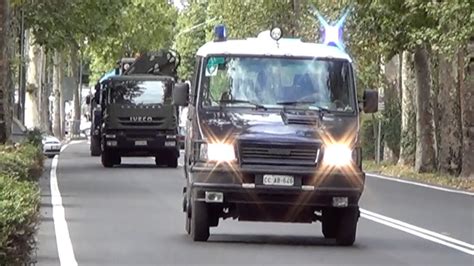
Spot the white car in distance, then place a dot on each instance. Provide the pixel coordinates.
(51, 146)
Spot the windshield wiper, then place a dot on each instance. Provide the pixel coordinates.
(257, 105)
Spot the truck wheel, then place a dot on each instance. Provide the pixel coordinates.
(158, 160)
(199, 222)
(107, 159)
(172, 162)
(95, 146)
(117, 160)
(347, 228)
(329, 223)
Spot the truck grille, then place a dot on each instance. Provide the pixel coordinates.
(278, 153)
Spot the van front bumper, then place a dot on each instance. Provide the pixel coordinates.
(244, 185)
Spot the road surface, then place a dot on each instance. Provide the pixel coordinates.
(131, 215)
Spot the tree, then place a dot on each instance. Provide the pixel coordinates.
(425, 159)
(144, 25)
(450, 133)
(34, 67)
(4, 68)
(467, 115)
(408, 125)
(191, 32)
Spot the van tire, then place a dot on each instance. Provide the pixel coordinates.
(347, 226)
(199, 222)
(329, 223)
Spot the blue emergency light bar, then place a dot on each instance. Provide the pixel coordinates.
(332, 35)
(220, 33)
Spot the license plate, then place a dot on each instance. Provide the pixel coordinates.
(140, 143)
(278, 180)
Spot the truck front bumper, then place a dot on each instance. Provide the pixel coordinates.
(146, 146)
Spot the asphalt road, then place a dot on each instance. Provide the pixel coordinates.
(131, 215)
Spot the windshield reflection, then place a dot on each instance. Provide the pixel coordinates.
(275, 82)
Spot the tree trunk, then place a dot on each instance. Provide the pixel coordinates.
(45, 121)
(33, 82)
(296, 29)
(449, 154)
(467, 115)
(391, 125)
(4, 69)
(57, 69)
(408, 125)
(76, 96)
(62, 101)
(425, 142)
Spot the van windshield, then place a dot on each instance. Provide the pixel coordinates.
(276, 82)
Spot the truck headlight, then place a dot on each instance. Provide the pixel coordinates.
(217, 152)
(337, 155)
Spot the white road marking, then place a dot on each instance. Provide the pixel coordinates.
(63, 240)
(419, 232)
(421, 184)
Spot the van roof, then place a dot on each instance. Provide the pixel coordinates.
(265, 46)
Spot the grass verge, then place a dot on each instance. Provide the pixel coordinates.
(407, 173)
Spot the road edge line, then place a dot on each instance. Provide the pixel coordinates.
(394, 179)
(399, 226)
(63, 239)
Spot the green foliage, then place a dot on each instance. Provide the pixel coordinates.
(190, 35)
(24, 162)
(138, 26)
(34, 137)
(19, 219)
(391, 124)
(367, 138)
(19, 202)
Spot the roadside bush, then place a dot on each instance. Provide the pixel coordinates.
(20, 167)
(23, 162)
(19, 218)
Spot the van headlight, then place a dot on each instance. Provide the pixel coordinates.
(217, 152)
(337, 155)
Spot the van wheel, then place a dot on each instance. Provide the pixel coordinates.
(329, 223)
(347, 220)
(199, 222)
(107, 159)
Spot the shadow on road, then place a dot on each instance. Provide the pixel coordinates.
(271, 240)
(133, 166)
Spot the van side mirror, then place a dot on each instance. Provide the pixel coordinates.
(370, 101)
(88, 99)
(181, 94)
